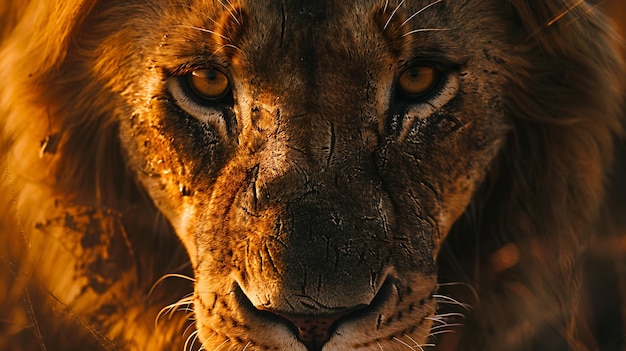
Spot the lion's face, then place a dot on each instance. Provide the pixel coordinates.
(313, 157)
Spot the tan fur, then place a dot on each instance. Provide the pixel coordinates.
(319, 207)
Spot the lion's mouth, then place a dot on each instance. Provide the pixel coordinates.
(315, 330)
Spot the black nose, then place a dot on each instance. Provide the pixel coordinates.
(314, 330)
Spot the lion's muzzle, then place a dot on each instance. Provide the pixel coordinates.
(310, 236)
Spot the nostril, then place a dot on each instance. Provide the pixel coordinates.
(313, 331)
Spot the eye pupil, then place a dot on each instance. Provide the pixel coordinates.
(209, 84)
(418, 81)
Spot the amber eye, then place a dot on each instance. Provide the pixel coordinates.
(418, 80)
(208, 84)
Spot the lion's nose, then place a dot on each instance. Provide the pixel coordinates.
(315, 330)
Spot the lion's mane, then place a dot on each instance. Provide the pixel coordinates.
(545, 198)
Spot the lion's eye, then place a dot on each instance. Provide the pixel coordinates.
(208, 84)
(205, 94)
(420, 91)
(418, 81)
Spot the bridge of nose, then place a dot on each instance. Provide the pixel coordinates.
(325, 216)
(316, 178)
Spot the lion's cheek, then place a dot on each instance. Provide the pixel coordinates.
(456, 199)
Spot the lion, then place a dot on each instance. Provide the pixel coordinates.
(309, 175)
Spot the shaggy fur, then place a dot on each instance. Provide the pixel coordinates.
(317, 206)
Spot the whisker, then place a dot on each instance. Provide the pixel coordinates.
(171, 275)
(446, 331)
(410, 338)
(185, 309)
(435, 319)
(442, 320)
(416, 343)
(378, 343)
(203, 346)
(449, 325)
(222, 344)
(211, 337)
(186, 301)
(392, 14)
(420, 11)
(194, 323)
(467, 285)
(193, 337)
(245, 347)
(405, 344)
(446, 302)
(444, 297)
(451, 314)
(425, 30)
